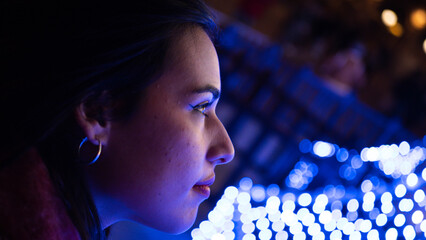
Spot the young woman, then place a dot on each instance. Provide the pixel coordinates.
(110, 116)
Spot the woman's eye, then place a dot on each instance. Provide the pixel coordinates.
(201, 108)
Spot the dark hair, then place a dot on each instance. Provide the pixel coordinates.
(57, 55)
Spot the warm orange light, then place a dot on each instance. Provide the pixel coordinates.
(424, 46)
(418, 18)
(389, 18)
(396, 30)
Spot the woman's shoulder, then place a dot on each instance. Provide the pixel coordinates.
(31, 208)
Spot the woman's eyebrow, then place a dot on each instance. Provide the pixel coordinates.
(211, 89)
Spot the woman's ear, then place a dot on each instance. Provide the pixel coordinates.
(94, 129)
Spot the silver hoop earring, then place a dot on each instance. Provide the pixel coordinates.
(99, 149)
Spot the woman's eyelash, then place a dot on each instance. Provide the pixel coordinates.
(201, 108)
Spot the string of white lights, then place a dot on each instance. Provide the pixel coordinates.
(251, 211)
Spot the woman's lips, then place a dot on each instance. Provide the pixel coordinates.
(203, 187)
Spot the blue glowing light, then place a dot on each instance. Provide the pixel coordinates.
(231, 192)
(246, 184)
(347, 172)
(419, 195)
(391, 234)
(369, 197)
(289, 205)
(381, 220)
(400, 190)
(308, 219)
(302, 213)
(289, 217)
(262, 223)
(355, 235)
(406, 205)
(272, 204)
(325, 217)
(423, 226)
(417, 217)
(353, 205)
(282, 235)
(249, 237)
(424, 174)
(367, 206)
(399, 220)
(330, 212)
(404, 148)
(336, 234)
(374, 213)
(366, 226)
(373, 154)
(299, 236)
(373, 235)
(409, 232)
(304, 199)
(278, 226)
(216, 218)
(340, 191)
(387, 207)
(412, 180)
(352, 216)
(265, 234)
(273, 190)
(330, 226)
(258, 193)
(305, 146)
(342, 155)
(386, 197)
(337, 205)
(302, 174)
(218, 236)
(274, 217)
(296, 228)
(323, 149)
(244, 208)
(288, 196)
(366, 186)
(243, 197)
(319, 236)
(314, 229)
(356, 162)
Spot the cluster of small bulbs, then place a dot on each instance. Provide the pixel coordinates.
(393, 160)
(250, 212)
(302, 175)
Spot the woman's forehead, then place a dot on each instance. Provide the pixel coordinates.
(192, 62)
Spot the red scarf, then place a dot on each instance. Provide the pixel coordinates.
(29, 205)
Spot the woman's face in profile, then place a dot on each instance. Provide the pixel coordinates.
(155, 168)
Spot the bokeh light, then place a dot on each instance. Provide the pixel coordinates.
(418, 18)
(323, 149)
(424, 46)
(400, 190)
(412, 180)
(389, 18)
(372, 211)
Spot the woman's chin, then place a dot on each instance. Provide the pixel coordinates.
(171, 225)
(179, 226)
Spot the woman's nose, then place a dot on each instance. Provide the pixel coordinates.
(221, 150)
